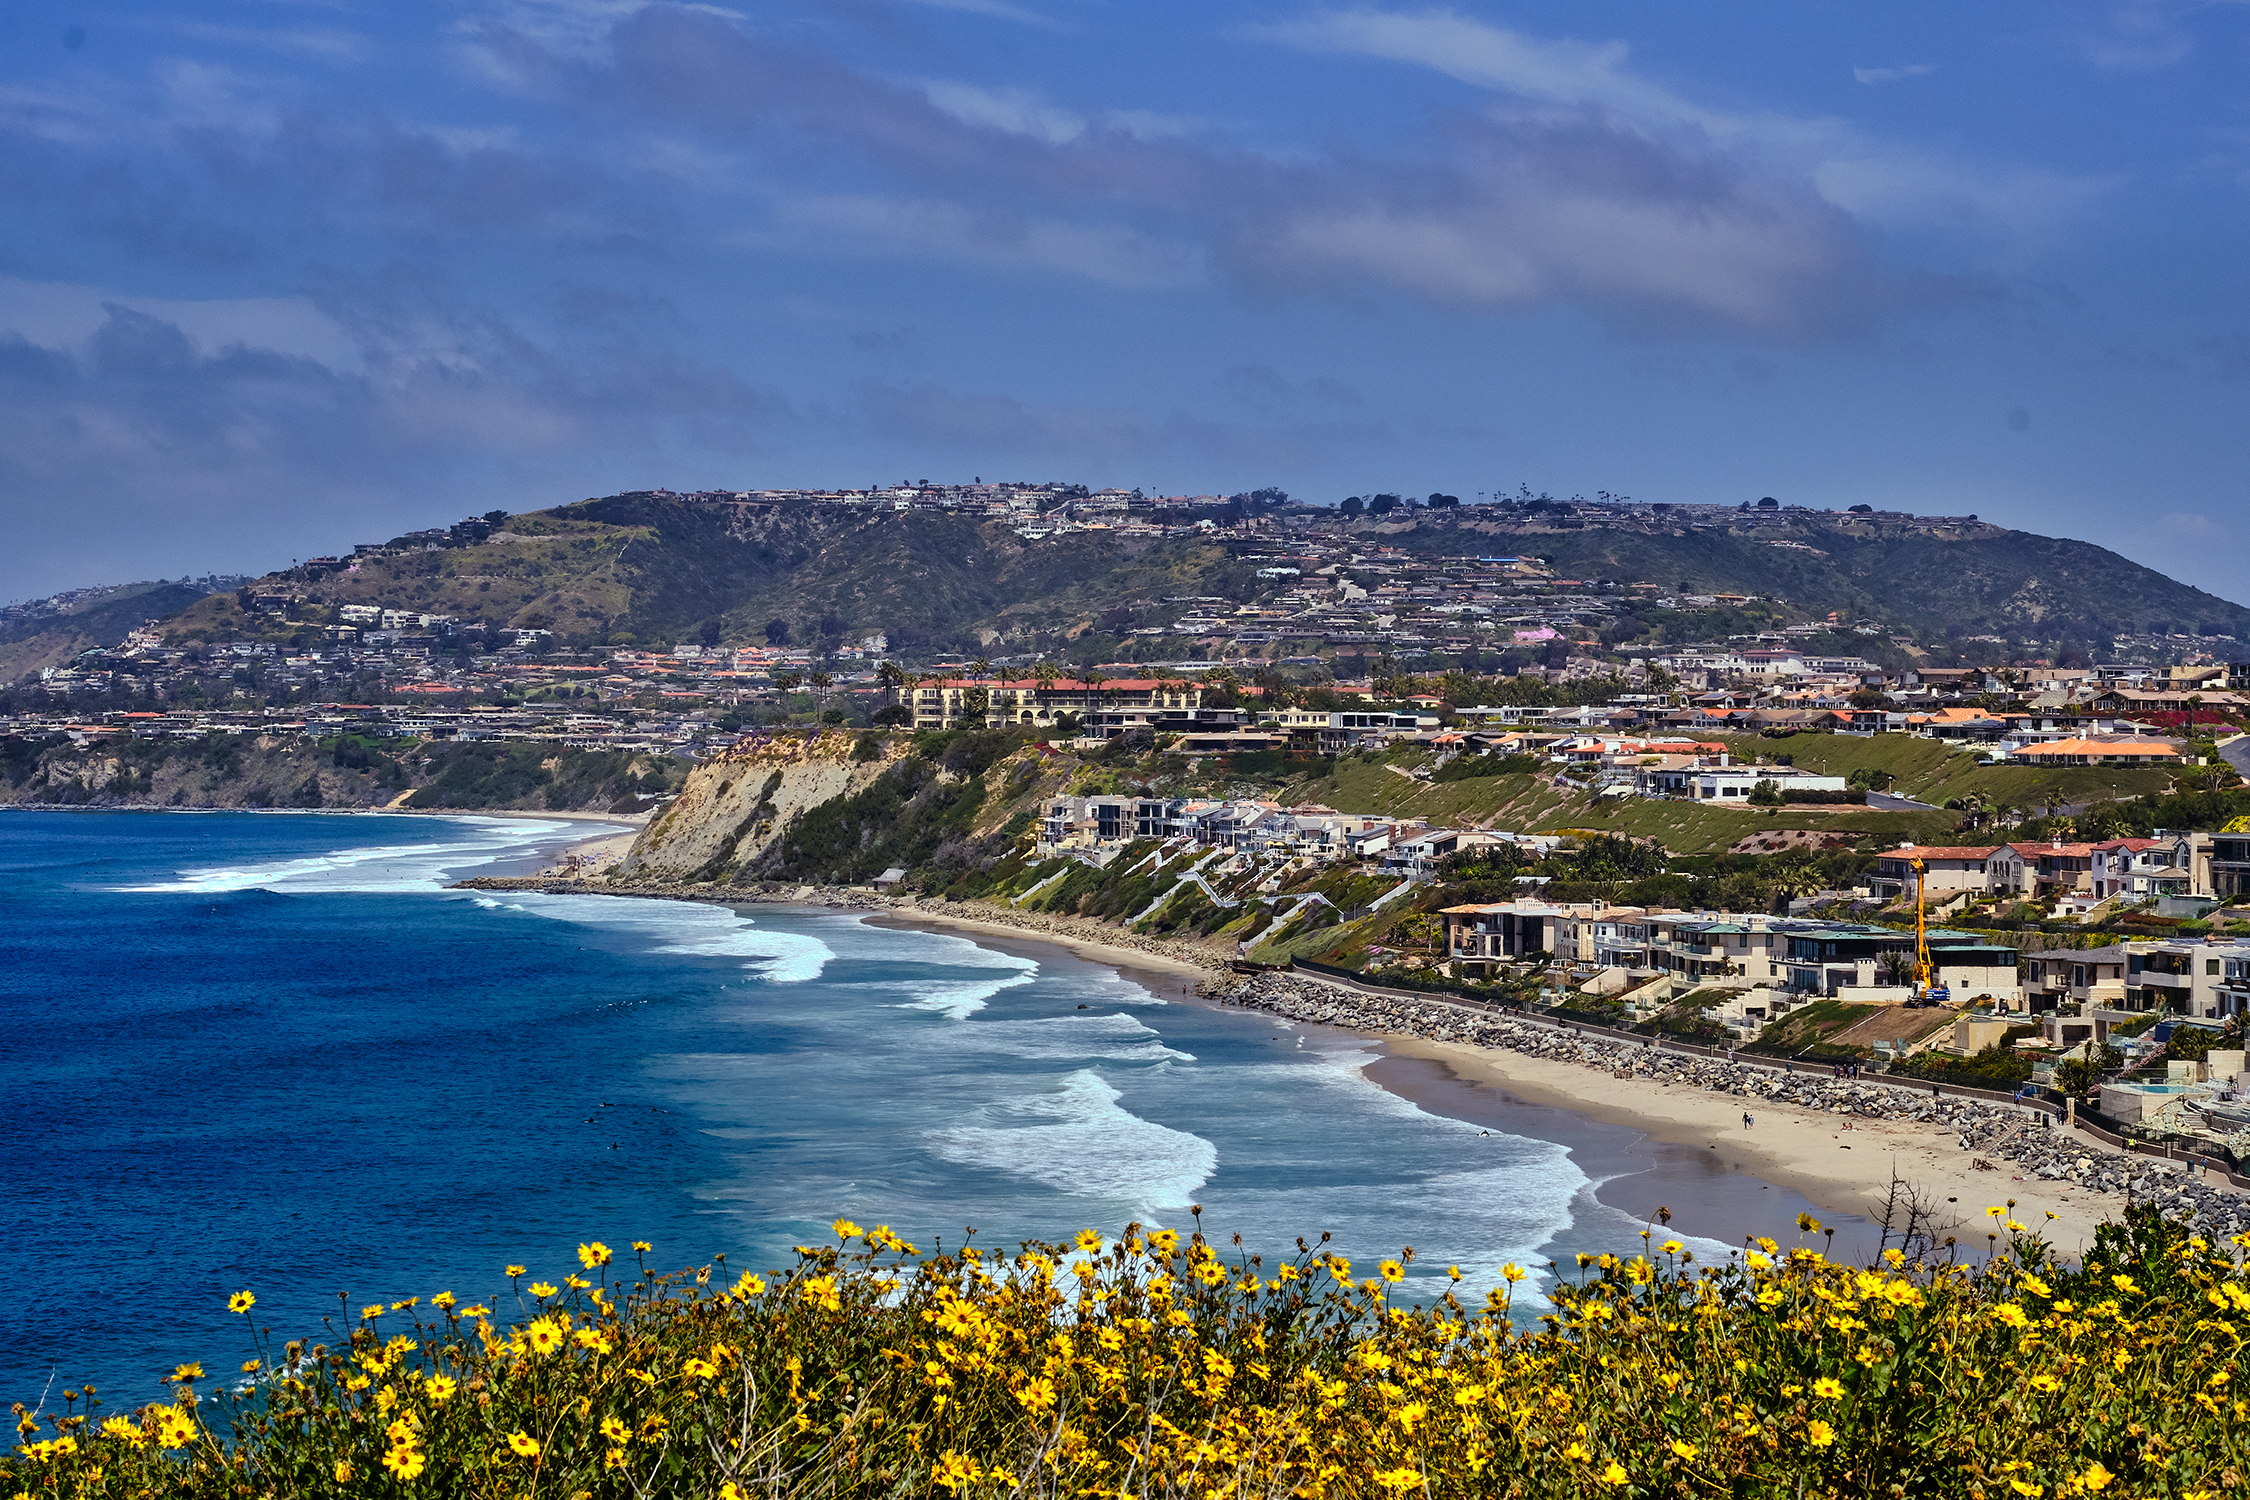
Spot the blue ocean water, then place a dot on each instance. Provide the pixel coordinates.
(271, 1051)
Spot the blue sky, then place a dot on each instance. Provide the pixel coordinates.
(281, 276)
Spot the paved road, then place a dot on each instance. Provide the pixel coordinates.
(2236, 753)
(1886, 802)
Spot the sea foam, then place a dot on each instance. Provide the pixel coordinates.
(695, 928)
(1078, 1140)
(377, 868)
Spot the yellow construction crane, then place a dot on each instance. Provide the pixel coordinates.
(1925, 993)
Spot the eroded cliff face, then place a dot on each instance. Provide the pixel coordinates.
(737, 803)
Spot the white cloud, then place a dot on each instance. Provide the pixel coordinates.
(1894, 75)
(864, 224)
(1886, 182)
(62, 316)
(999, 10)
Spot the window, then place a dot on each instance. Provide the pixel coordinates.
(2210, 966)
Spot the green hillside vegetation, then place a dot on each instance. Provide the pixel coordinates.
(340, 771)
(1163, 1365)
(1937, 772)
(51, 640)
(1973, 579)
(656, 570)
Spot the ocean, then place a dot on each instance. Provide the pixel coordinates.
(273, 1052)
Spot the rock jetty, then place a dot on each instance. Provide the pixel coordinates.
(1981, 1127)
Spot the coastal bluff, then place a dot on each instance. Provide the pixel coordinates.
(734, 807)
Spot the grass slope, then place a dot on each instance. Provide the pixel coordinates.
(1933, 771)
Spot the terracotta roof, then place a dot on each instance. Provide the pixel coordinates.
(1935, 851)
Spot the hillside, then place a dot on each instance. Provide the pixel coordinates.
(345, 771)
(100, 617)
(657, 570)
(1971, 578)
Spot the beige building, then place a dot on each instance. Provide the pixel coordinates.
(1131, 701)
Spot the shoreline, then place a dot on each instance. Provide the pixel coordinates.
(1840, 1157)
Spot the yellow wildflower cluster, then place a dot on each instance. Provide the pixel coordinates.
(1157, 1365)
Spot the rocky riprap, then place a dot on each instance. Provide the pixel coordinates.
(1982, 1128)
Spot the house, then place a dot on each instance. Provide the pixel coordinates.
(1736, 783)
(1834, 959)
(2137, 868)
(1946, 869)
(1480, 938)
(2086, 752)
(2076, 979)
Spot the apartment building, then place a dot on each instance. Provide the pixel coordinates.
(1120, 703)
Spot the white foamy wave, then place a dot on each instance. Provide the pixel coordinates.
(691, 927)
(857, 939)
(1079, 1141)
(381, 867)
(1111, 1038)
(958, 1002)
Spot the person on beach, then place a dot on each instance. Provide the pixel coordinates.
(1747, 1120)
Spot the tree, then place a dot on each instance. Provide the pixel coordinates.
(788, 682)
(1443, 502)
(1382, 505)
(1767, 793)
(777, 631)
(495, 517)
(1352, 506)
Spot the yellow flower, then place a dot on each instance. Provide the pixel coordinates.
(513, 1272)
(372, 1310)
(2045, 1383)
(1088, 1241)
(2010, 1314)
(523, 1444)
(731, 1491)
(589, 1338)
(1827, 1389)
(1512, 1272)
(642, 1247)
(699, 1369)
(174, 1429)
(749, 1286)
(240, 1302)
(544, 1335)
(1819, 1433)
(594, 1254)
(2124, 1283)
(1614, 1473)
(2096, 1477)
(1577, 1452)
(123, 1431)
(2034, 1285)
(1404, 1477)
(1671, 1247)
(822, 1290)
(1339, 1268)
(847, 1230)
(616, 1431)
(543, 1289)
(440, 1387)
(186, 1373)
(955, 1470)
(343, 1473)
(2023, 1487)
(444, 1301)
(250, 1366)
(406, 1463)
(1392, 1271)
(1684, 1450)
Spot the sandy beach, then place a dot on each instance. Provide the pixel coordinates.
(1132, 962)
(1845, 1169)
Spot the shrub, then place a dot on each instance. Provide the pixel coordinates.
(1156, 1366)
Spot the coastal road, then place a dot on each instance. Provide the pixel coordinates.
(2236, 753)
(1886, 802)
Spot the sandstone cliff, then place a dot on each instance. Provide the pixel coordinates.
(736, 804)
